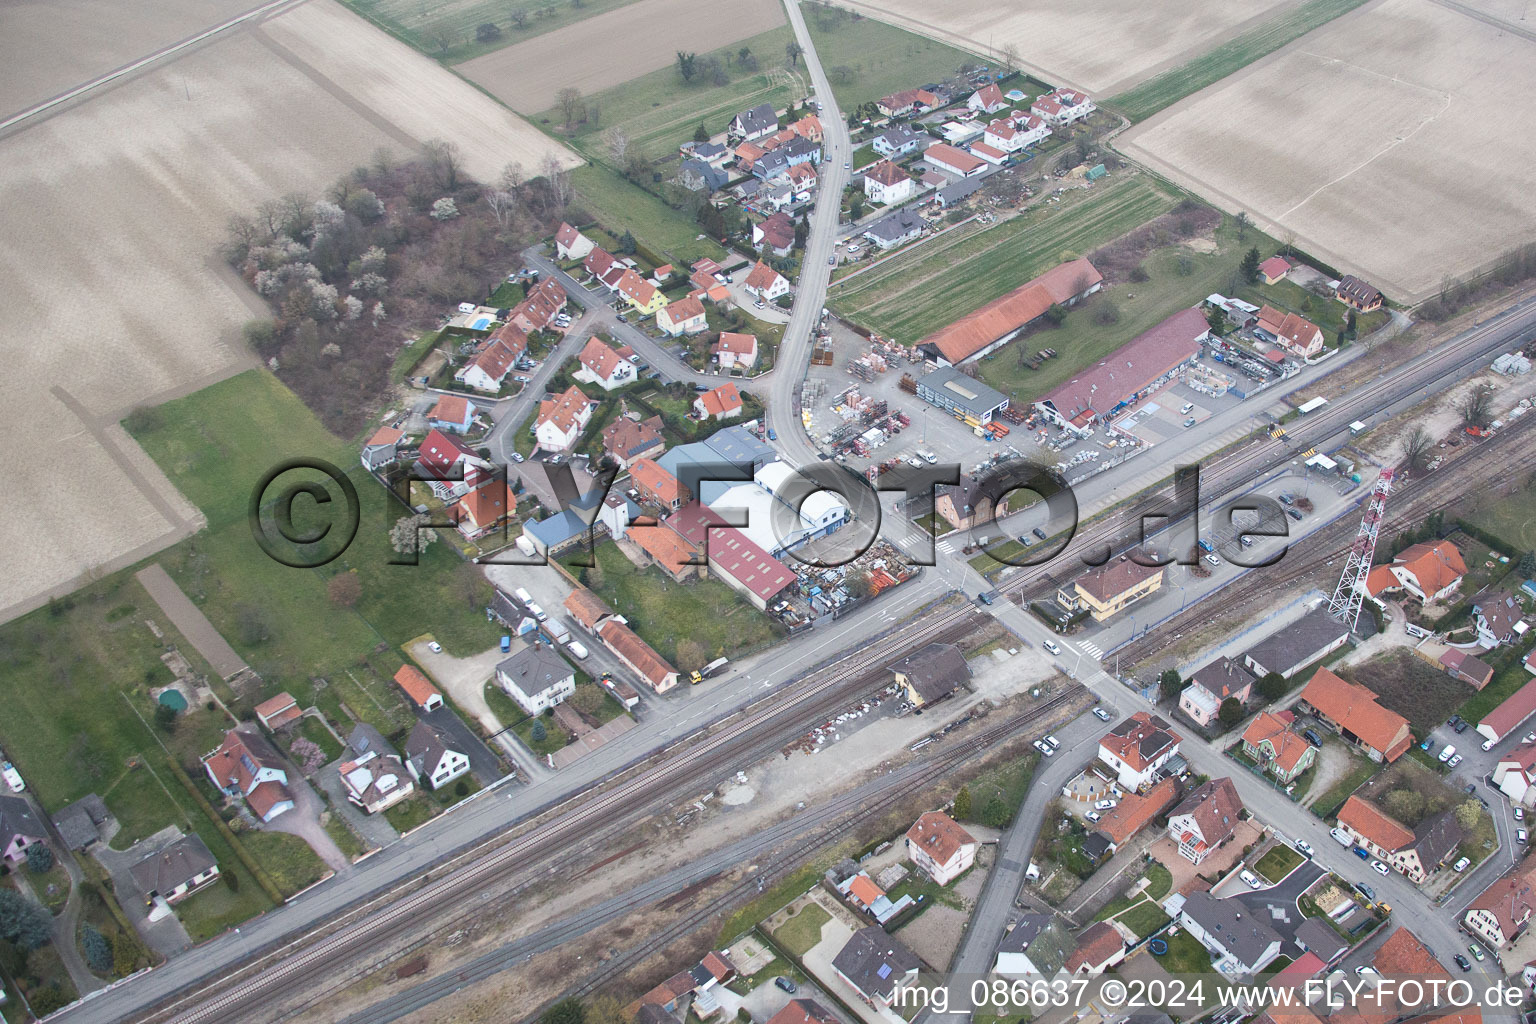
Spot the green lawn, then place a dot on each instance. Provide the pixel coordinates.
(997, 793)
(914, 295)
(342, 835)
(1510, 518)
(555, 736)
(1160, 881)
(411, 355)
(412, 812)
(288, 859)
(715, 616)
(619, 205)
(219, 907)
(1185, 955)
(865, 59)
(775, 897)
(1508, 677)
(1278, 862)
(1145, 918)
(802, 931)
(447, 31)
(1172, 85)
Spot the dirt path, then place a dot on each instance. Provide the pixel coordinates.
(194, 625)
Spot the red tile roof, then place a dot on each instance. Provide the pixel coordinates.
(1355, 708)
(1275, 266)
(416, 686)
(278, 711)
(733, 553)
(639, 654)
(1376, 825)
(440, 452)
(265, 796)
(863, 889)
(1288, 746)
(676, 555)
(655, 482)
(637, 289)
(1140, 740)
(721, 400)
(599, 357)
(939, 835)
(1403, 954)
(1096, 945)
(886, 173)
(566, 235)
(1216, 807)
(1380, 579)
(803, 1011)
(450, 409)
(1135, 811)
(990, 97)
(586, 607)
(565, 411)
(384, 436)
(488, 503)
(975, 331)
(762, 277)
(599, 261)
(1517, 708)
(955, 159)
(740, 344)
(1435, 565)
(1115, 578)
(777, 230)
(684, 309)
(544, 300)
(1511, 900)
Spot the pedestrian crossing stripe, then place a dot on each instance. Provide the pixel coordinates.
(1277, 433)
(1309, 453)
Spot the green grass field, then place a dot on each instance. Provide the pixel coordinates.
(865, 59)
(802, 931)
(1277, 863)
(288, 859)
(447, 32)
(1172, 85)
(913, 296)
(618, 204)
(1511, 519)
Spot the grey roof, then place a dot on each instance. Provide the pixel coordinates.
(874, 961)
(79, 823)
(17, 819)
(955, 192)
(172, 865)
(899, 136)
(505, 608)
(713, 178)
(1315, 936)
(1436, 839)
(935, 671)
(534, 669)
(426, 746)
(1042, 938)
(705, 150)
(957, 389)
(778, 160)
(1293, 646)
(757, 119)
(1232, 924)
(1223, 677)
(897, 224)
(738, 444)
(365, 737)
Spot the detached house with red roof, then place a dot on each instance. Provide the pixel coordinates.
(486, 370)
(937, 844)
(732, 350)
(1205, 820)
(1270, 741)
(775, 234)
(987, 100)
(1502, 913)
(765, 283)
(246, 766)
(487, 506)
(562, 419)
(628, 439)
(886, 183)
(1111, 588)
(1428, 571)
(1062, 107)
(1297, 335)
(601, 364)
(1515, 774)
(1274, 269)
(446, 463)
(1352, 710)
(382, 448)
(1415, 852)
(685, 316)
(1138, 748)
(452, 412)
(641, 295)
(571, 244)
(655, 485)
(721, 403)
(544, 302)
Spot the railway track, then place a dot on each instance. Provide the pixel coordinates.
(756, 733)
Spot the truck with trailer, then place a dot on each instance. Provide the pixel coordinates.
(713, 668)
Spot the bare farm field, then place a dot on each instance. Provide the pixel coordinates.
(109, 275)
(1399, 161)
(617, 47)
(1102, 47)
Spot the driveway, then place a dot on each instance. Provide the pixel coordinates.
(165, 936)
(304, 821)
(1276, 905)
(483, 764)
(374, 828)
(464, 679)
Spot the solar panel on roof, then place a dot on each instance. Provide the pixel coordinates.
(884, 971)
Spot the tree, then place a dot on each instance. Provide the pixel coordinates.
(606, 1010)
(165, 717)
(687, 64)
(1406, 805)
(792, 52)
(744, 54)
(1272, 686)
(231, 880)
(97, 950)
(443, 160)
(45, 1000)
(566, 1011)
(569, 102)
(410, 534)
(1055, 313)
(996, 813)
(502, 204)
(1527, 566)
(262, 336)
(487, 32)
(691, 655)
(1350, 323)
(39, 858)
(445, 209)
(701, 133)
(1010, 56)
(627, 243)
(344, 589)
(1477, 408)
(1230, 712)
(1170, 683)
(1105, 312)
(1467, 814)
(519, 16)
(962, 808)
(23, 922)
(538, 733)
(559, 180)
(1249, 268)
(1418, 449)
(1243, 223)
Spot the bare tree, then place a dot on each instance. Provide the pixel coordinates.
(502, 204)
(569, 100)
(1243, 223)
(1010, 56)
(1417, 449)
(519, 16)
(559, 180)
(512, 177)
(443, 161)
(1477, 408)
(792, 52)
(617, 141)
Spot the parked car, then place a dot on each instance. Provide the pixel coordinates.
(1463, 962)
(831, 261)
(1252, 880)
(521, 379)
(1453, 762)
(1476, 951)
(1453, 721)
(1106, 805)
(773, 435)
(1038, 533)
(1461, 727)
(1304, 848)
(787, 985)
(1341, 837)
(1367, 891)
(1025, 539)
(1294, 513)
(1101, 714)
(435, 647)
(1530, 737)
(1519, 813)
(1362, 853)
(1051, 646)
(1052, 742)
(1488, 744)
(1311, 736)
(1212, 560)
(1461, 865)
(12, 777)
(1189, 422)
(1047, 751)
(1447, 752)
(1380, 868)
(517, 457)
(1094, 816)
(1521, 836)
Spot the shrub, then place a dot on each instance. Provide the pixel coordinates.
(461, 788)
(97, 950)
(39, 858)
(538, 733)
(1138, 274)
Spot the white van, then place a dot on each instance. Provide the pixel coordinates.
(577, 648)
(1448, 753)
(1416, 631)
(537, 612)
(1186, 408)
(523, 595)
(12, 777)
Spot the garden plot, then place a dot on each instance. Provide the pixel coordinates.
(1395, 160)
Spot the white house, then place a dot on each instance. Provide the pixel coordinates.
(375, 778)
(937, 844)
(1037, 944)
(488, 367)
(765, 282)
(1012, 134)
(987, 100)
(176, 870)
(1062, 107)
(899, 141)
(571, 244)
(536, 677)
(1239, 941)
(562, 419)
(1515, 775)
(602, 365)
(431, 758)
(721, 403)
(886, 183)
(1138, 748)
(685, 316)
(733, 349)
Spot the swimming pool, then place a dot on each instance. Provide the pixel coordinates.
(481, 323)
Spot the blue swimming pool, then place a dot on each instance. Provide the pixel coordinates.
(481, 323)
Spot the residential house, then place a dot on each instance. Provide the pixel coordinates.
(685, 316)
(430, 756)
(1137, 749)
(989, 328)
(1239, 941)
(562, 420)
(1098, 949)
(637, 655)
(1404, 955)
(1315, 935)
(1354, 712)
(898, 227)
(1502, 912)
(804, 1011)
(1005, 137)
(777, 162)
(489, 366)
(641, 295)
(276, 712)
(1416, 852)
(1470, 669)
(732, 350)
(753, 124)
(571, 244)
(1297, 335)
(616, 513)
(873, 964)
(699, 176)
(808, 128)
(1274, 269)
(1038, 944)
(374, 777)
(1062, 107)
(1205, 820)
(775, 234)
(1500, 618)
(1292, 648)
(601, 364)
(1357, 294)
(968, 503)
(802, 178)
(444, 462)
(536, 677)
(488, 506)
(986, 100)
(587, 609)
(419, 688)
(765, 283)
(712, 153)
(176, 870)
(932, 673)
(19, 828)
(941, 847)
(382, 448)
(667, 551)
(719, 403)
(628, 439)
(895, 143)
(1428, 571)
(748, 153)
(538, 310)
(886, 183)
(1213, 684)
(79, 824)
(1111, 588)
(991, 154)
(656, 485)
(953, 161)
(908, 102)
(246, 766)
(606, 269)
(1132, 813)
(1515, 774)
(1271, 742)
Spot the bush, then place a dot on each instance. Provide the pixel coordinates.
(1105, 313)
(24, 922)
(231, 880)
(97, 950)
(461, 788)
(996, 813)
(538, 733)
(39, 858)
(1138, 274)
(45, 1001)
(566, 1011)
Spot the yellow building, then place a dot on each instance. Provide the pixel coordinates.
(1111, 588)
(641, 294)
